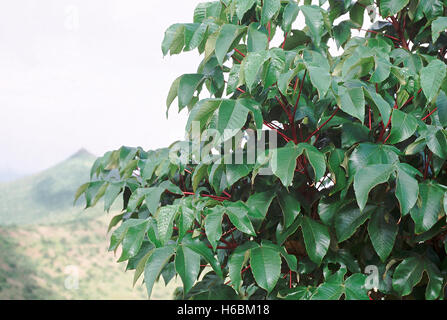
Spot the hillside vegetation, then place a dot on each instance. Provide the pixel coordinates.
(45, 241)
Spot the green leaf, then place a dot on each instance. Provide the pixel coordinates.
(165, 221)
(242, 6)
(437, 143)
(391, 7)
(428, 209)
(269, 9)
(187, 265)
(441, 104)
(289, 16)
(200, 172)
(252, 65)
(200, 247)
(213, 226)
(314, 21)
(316, 158)
(407, 274)
(404, 125)
(316, 238)
(152, 198)
(290, 207)
(237, 260)
(207, 9)
(232, 116)
(332, 288)
(188, 84)
(366, 179)
(407, 191)
(382, 229)
(356, 14)
(432, 77)
(173, 40)
(355, 287)
(238, 214)
(155, 264)
(256, 39)
(319, 71)
(202, 112)
(352, 101)
(234, 172)
(259, 203)
(435, 283)
(133, 239)
(284, 162)
(382, 106)
(228, 36)
(112, 192)
(186, 218)
(382, 70)
(265, 264)
(438, 26)
(348, 219)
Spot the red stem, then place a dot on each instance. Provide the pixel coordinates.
(428, 115)
(239, 52)
(284, 42)
(325, 123)
(375, 32)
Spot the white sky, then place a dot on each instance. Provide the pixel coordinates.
(87, 74)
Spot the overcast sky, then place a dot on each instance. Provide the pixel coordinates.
(87, 74)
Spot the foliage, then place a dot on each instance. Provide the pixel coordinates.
(358, 174)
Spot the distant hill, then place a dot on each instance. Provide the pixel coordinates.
(43, 236)
(47, 197)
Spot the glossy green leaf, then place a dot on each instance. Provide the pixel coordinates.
(227, 38)
(428, 209)
(391, 7)
(407, 274)
(352, 101)
(256, 40)
(314, 20)
(348, 219)
(432, 77)
(316, 238)
(290, 207)
(403, 126)
(269, 9)
(188, 84)
(355, 287)
(265, 264)
(165, 221)
(366, 179)
(187, 265)
(407, 191)
(382, 229)
(242, 6)
(319, 71)
(252, 65)
(213, 226)
(200, 247)
(155, 264)
(238, 214)
(284, 162)
(441, 104)
(437, 26)
(289, 16)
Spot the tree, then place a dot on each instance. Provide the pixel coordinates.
(348, 203)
